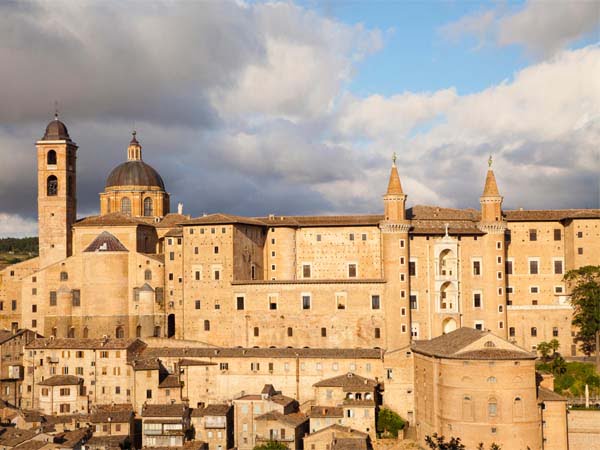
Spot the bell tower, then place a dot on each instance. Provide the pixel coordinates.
(395, 242)
(57, 199)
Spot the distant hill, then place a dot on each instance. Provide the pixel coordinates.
(14, 250)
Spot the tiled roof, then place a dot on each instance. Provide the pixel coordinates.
(85, 344)
(11, 437)
(61, 380)
(170, 381)
(293, 419)
(282, 400)
(451, 346)
(165, 410)
(174, 232)
(7, 335)
(106, 242)
(491, 187)
(119, 413)
(550, 214)
(146, 364)
(195, 362)
(341, 432)
(326, 411)
(321, 221)
(113, 219)
(110, 442)
(31, 445)
(349, 382)
(171, 220)
(394, 186)
(355, 443)
(212, 410)
(438, 227)
(421, 212)
(268, 389)
(313, 281)
(187, 445)
(208, 352)
(222, 219)
(546, 395)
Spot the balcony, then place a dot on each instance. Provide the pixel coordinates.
(263, 438)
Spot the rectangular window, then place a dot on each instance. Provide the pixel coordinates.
(13, 305)
(148, 393)
(323, 332)
(340, 300)
(558, 266)
(364, 237)
(216, 250)
(171, 256)
(414, 303)
(477, 300)
(305, 270)
(197, 275)
(33, 308)
(239, 302)
(557, 234)
(534, 289)
(375, 302)
(509, 289)
(318, 238)
(580, 234)
(476, 268)
(223, 366)
(351, 236)
(197, 303)
(558, 289)
(533, 266)
(509, 267)
(533, 234)
(305, 301)
(478, 325)
(580, 251)
(555, 331)
(273, 301)
(76, 297)
(254, 366)
(377, 333)
(512, 332)
(216, 275)
(412, 267)
(33, 291)
(352, 270)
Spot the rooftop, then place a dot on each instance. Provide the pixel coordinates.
(349, 382)
(61, 380)
(165, 410)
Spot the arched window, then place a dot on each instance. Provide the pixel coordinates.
(491, 380)
(86, 333)
(126, 206)
(148, 275)
(148, 206)
(467, 408)
(138, 331)
(71, 332)
(51, 158)
(119, 332)
(489, 344)
(518, 407)
(52, 185)
(492, 407)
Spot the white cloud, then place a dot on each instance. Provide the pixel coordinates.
(542, 27)
(15, 226)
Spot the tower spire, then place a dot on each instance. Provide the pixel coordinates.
(394, 185)
(134, 150)
(491, 200)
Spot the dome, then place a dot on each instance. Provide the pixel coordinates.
(56, 130)
(134, 173)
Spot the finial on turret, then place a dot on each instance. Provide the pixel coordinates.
(55, 110)
(394, 157)
(490, 161)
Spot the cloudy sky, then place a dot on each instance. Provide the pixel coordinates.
(296, 108)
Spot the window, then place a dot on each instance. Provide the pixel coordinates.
(305, 301)
(558, 289)
(412, 267)
(375, 302)
(352, 270)
(223, 366)
(318, 238)
(340, 300)
(509, 267)
(216, 274)
(52, 298)
(323, 332)
(197, 275)
(509, 289)
(558, 266)
(290, 332)
(492, 407)
(305, 270)
(533, 234)
(512, 332)
(148, 211)
(580, 251)
(580, 234)
(239, 303)
(534, 289)
(478, 325)
(476, 268)
(533, 332)
(256, 332)
(492, 380)
(119, 333)
(364, 236)
(499, 259)
(272, 301)
(533, 266)
(148, 275)
(351, 236)
(51, 158)
(403, 311)
(76, 297)
(13, 305)
(197, 304)
(377, 333)
(557, 233)
(500, 308)
(148, 393)
(64, 276)
(126, 206)
(33, 291)
(477, 300)
(52, 186)
(207, 325)
(554, 331)
(414, 304)
(254, 366)
(499, 275)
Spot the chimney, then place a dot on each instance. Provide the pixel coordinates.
(180, 208)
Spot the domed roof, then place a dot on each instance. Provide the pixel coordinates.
(56, 130)
(134, 173)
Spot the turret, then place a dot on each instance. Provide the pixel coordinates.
(394, 200)
(491, 200)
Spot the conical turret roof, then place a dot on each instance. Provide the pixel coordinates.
(491, 188)
(394, 186)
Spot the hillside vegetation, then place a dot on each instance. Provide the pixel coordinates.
(14, 250)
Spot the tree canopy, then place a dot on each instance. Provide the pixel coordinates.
(584, 284)
(271, 445)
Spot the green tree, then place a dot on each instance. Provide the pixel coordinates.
(271, 445)
(389, 422)
(554, 346)
(544, 349)
(435, 442)
(585, 298)
(558, 366)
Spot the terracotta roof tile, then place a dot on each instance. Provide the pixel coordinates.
(550, 214)
(546, 395)
(207, 352)
(221, 219)
(212, 410)
(326, 411)
(293, 419)
(61, 380)
(165, 410)
(172, 219)
(106, 242)
(86, 344)
(174, 232)
(119, 413)
(349, 382)
(170, 381)
(113, 219)
(195, 362)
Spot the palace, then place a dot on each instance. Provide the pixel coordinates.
(374, 284)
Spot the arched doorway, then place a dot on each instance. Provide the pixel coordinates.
(448, 325)
(171, 325)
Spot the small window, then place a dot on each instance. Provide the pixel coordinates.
(413, 301)
(51, 158)
(52, 186)
(351, 270)
(207, 325)
(126, 206)
(64, 276)
(534, 289)
(256, 332)
(240, 303)
(318, 238)
(477, 300)
(364, 236)
(76, 297)
(533, 234)
(554, 331)
(533, 266)
(272, 302)
(508, 267)
(580, 234)
(533, 332)
(306, 302)
(375, 302)
(512, 332)
(412, 268)
(377, 333)
(351, 236)
(148, 210)
(197, 304)
(290, 332)
(476, 268)
(580, 251)
(557, 234)
(492, 407)
(323, 332)
(558, 266)
(52, 298)
(216, 250)
(148, 275)
(306, 270)
(558, 289)
(217, 275)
